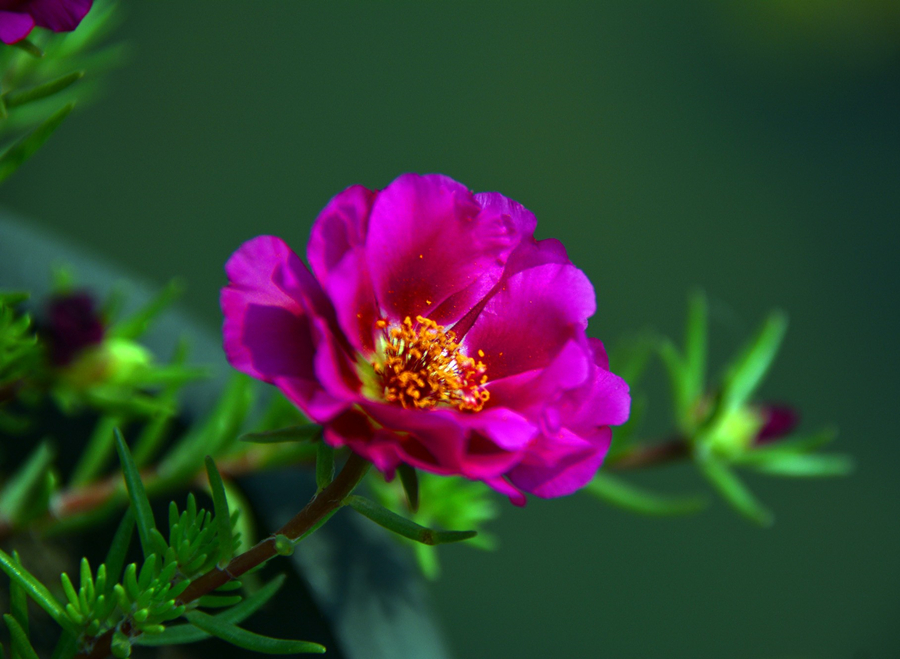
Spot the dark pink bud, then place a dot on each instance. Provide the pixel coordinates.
(72, 325)
(780, 420)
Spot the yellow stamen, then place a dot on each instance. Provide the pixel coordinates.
(421, 366)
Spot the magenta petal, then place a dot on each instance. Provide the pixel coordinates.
(503, 486)
(309, 396)
(350, 288)
(561, 465)
(333, 366)
(340, 228)
(428, 240)
(497, 439)
(601, 359)
(14, 26)
(356, 431)
(268, 331)
(266, 341)
(59, 15)
(532, 391)
(507, 429)
(432, 440)
(531, 318)
(607, 404)
(529, 253)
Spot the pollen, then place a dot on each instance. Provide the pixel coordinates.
(422, 366)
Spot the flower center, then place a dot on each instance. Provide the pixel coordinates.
(423, 366)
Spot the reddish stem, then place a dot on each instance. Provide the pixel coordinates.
(673, 450)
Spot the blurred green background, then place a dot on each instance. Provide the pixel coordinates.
(751, 149)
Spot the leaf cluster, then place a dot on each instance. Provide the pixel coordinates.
(136, 603)
(437, 501)
(41, 81)
(716, 425)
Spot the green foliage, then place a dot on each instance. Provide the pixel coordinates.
(324, 465)
(140, 504)
(298, 433)
(687, 369)
(212, 437)
(91, 607)
(41, 79)
(445, 502)
(193, 543)
(409, 479)
(717, 427)
(99, 449)
(643, 502)
(21, 645)
(734, 491)
(34, 588)
(146, 597)
(402, 526)
(248, 640)
(188, 633)
(19, 97)
(16, 154)
(222, 516)
(149, 597)
(24, 494)
(20, 352)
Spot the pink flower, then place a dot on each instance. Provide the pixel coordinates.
(434, 331)
(19, 17)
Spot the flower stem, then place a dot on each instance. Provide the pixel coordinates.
(327, 501)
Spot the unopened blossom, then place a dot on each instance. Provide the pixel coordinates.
(432, 330)
(778, 421)
(73, 323)
(80, 350)
(19, 17)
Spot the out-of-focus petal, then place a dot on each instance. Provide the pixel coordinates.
(15, 26)
(503, 486)
(59, 15)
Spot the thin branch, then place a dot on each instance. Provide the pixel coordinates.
(673, 450)
(82, 500)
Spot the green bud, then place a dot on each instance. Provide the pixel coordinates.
(114, 361)
(736, 431)
(283, 545)
(120, 645)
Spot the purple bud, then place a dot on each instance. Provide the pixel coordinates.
(780, 420)
(73, 324)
